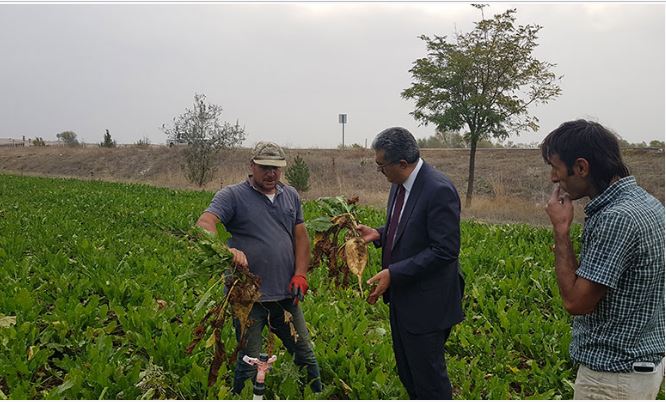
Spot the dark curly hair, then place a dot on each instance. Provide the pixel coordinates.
(590, 141)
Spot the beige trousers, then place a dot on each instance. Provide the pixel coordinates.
(592, 384)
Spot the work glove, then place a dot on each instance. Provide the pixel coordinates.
(298, 287)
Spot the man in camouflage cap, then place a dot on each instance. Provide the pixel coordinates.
(269, 154)
(268, 236)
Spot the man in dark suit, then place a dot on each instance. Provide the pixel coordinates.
(420, 277)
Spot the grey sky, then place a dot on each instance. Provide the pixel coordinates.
(286, 70)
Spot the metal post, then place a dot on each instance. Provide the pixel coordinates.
(342, 119)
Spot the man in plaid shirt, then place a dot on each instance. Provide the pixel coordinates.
(615, 291)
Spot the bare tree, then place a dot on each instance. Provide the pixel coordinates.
(203, 133)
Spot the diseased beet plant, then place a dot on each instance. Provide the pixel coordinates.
(242, 291)
(337, 243)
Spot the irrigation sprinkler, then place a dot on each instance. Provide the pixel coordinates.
(263, 364)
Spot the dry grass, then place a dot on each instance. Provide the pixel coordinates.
(511, 185)
(507, 209)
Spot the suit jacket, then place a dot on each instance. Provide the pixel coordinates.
(426, 283)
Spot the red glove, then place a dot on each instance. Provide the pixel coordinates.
(298, 288)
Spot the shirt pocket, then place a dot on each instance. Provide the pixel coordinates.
(289, 217)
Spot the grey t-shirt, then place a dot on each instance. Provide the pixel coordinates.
(263, 230)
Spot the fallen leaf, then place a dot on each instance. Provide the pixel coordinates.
(210, 341)
(7, 321)
(161, 304)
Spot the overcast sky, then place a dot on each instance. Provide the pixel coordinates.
(286, 70)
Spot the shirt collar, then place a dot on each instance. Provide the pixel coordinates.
(278, 187)
(412, 176)
(609, 195)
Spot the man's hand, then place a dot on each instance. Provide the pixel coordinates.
(367, 233)
(560, 210)
(298, 287)
(240, 258)
(383, 279)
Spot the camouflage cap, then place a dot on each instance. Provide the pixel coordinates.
(268, 154)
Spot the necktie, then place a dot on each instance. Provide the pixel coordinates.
(393, 225)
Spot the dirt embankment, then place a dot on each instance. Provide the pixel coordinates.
(510, 184)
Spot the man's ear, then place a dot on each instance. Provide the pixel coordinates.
(581, 167)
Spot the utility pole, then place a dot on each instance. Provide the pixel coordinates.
(342, 119)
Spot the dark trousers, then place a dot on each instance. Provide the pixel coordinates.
(272, 314)
(420, 361)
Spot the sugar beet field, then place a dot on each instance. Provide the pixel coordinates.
(100, 292)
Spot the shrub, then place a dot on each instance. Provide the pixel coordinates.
(108, 142)
(143, 142)
(68, 138)
(298, 174)
(38, 142)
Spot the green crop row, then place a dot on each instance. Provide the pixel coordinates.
(103, 285)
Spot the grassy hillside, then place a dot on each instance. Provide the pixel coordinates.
(512, 185)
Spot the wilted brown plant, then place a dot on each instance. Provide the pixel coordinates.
(242, 291)
(342, 249)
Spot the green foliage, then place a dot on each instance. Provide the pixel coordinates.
(201, 129)
(101, 284)
(324, 208)
(443, 139)
(108, 142)
(653, 144)
(457, 140)
(38, 142)
(657, 144)
(516, 334)
(68, 138)
(483, 81)
(485, 143)
(298, 174)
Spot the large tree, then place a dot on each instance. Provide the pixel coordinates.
(204, 134)
(482, 82)
(68, 138)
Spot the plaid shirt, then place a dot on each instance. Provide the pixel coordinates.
(622, 249)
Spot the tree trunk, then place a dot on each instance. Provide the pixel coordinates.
(470, 178)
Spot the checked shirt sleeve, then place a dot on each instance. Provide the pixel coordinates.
(607, 250)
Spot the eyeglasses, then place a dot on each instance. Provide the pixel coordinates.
(380, 168)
